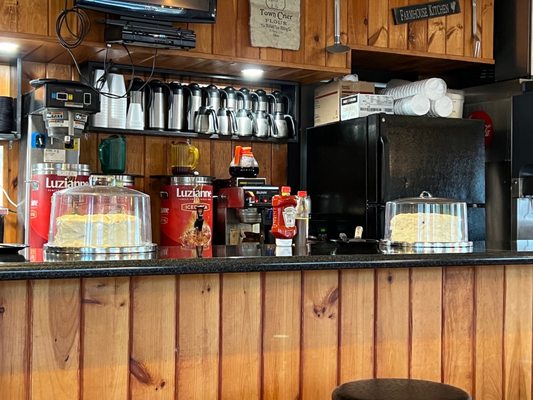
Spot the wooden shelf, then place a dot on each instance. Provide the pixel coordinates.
(46, 49)
(395, 61)
(191, 135)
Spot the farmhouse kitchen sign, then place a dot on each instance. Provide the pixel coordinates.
(417, 12)
(275, 23)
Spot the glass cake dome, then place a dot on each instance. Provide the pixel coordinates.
(100, 218)
(426, 221)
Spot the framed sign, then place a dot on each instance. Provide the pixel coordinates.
(275, 23)
(403, 15)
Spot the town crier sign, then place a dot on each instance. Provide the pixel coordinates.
(417, 12)
(275, 23)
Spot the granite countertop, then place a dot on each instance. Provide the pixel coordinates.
(234, 259)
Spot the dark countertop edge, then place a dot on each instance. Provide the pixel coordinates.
(93, 269)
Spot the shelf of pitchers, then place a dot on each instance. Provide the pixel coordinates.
(46, 49)
(190, 135)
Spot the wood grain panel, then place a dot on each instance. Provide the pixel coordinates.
(14, 343)
(204, 38)
(357, 22)
(225, 30)
(244, 46)
(32, 17)
(518, 326)
(58, 71)
(397, 33)
(263, 155)
(105, 345)
(89, 150)
(468, 37)
(221, 155)
(392, 323)
(357, 325)
(8, 16)
(378, 20)
(455, 32)
(12, 231)
(458, 320)
(315, 33)
(5, 81)
(297, 56)
(437, 35)
(319, 334)
(54, 9)
(241, 336)
(55, 340)
(281, 335)
(336, 59)
(155, 164)
(487, 28)
(153, 335)
(426, 324)
(270, 54)
(279, 164)
(31, 70)
(489, 333)
(198, 340)
(417, 32)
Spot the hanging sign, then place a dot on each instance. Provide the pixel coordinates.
(417, 12)
(275, 23)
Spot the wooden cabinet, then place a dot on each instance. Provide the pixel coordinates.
(371, 28)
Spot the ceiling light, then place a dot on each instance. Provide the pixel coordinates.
(8, 48)
(252, 73)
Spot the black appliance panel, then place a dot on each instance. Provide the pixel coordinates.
(432, 154)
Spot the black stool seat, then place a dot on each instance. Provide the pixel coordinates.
(398, 389)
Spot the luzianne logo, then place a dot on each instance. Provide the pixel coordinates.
(63, 184)
(193, 193)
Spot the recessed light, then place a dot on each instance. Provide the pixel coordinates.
(8, 48)
(252, 73)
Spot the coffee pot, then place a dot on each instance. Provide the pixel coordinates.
(244, 117)
(226, 121)
(280, 125)
(183, 157)
(205, 120)
(136, 107)
(157, 104)
(280, 102)
(260, 100)
(262, 124)
(177, 114)
(244, 99)
(213, 97)
(230, 95)
(195, 102)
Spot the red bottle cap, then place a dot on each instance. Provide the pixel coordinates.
(302, 193)
(286, 189)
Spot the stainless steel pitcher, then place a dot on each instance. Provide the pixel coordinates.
(177, 112)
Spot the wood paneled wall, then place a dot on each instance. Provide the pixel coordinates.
(371, 23)
(147, 156)
(229, 36)
(275, 335)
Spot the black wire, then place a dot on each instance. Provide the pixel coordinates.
(84, 26)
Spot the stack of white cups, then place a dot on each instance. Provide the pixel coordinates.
(100, 120)
(427, 96)
(118, 103)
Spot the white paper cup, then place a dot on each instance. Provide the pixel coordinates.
(414, 105)
(442, 107)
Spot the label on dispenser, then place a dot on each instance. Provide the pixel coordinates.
(54, 156)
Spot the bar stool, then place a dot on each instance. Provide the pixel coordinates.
(398, 389)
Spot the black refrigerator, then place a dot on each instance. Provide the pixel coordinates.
(352, 168)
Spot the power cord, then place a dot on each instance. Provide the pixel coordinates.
(77, 38)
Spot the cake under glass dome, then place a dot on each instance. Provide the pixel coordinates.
(100, 218)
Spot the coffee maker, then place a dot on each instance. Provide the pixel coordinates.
(55, 115)
(243, 211)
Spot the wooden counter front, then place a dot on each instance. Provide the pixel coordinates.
(267, 335)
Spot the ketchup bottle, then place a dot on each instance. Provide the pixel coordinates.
(284, 217)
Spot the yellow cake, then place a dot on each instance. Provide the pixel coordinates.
(425, 227)
(97, 230)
